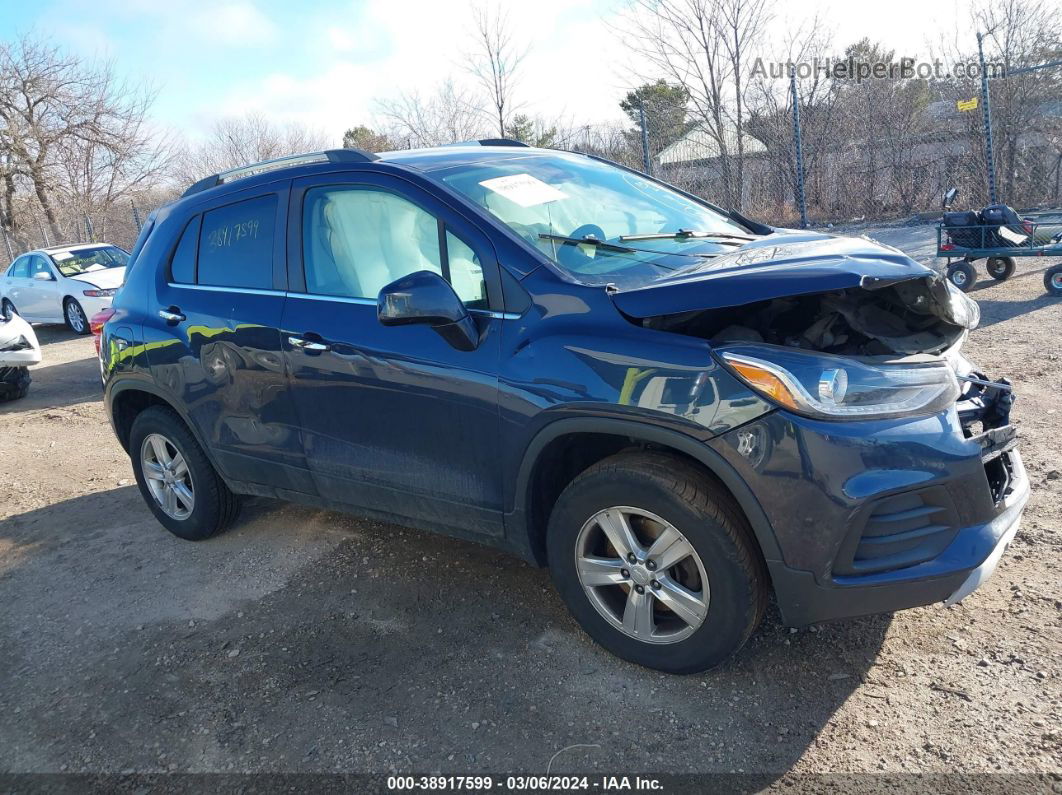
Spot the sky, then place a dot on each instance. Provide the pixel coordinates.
(325, 63)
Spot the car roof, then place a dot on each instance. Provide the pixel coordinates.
(463, 154)
(428, 159)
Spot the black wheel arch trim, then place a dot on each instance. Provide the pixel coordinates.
(115, 389)
(653, 434)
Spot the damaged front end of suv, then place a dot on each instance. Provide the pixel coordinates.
(888, 472)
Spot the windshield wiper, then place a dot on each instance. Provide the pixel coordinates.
(685, 234)
(588, 240)
(605, 246)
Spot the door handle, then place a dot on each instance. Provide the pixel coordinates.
(309, 345)
(171, 315)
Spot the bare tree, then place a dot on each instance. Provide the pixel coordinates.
(447, 115)
(1021, 33)
(52, 103)
(495, 62)
(238, 141)
(770, 105)
(703, 46)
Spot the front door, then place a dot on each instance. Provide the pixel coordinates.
(42, 297)
(395, 420)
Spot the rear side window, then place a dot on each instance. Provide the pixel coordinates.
(182, 266)
(236, 244)
(20, 268)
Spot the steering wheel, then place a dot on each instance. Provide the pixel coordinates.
(569, 254)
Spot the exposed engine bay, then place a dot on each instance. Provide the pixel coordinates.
(918, 316)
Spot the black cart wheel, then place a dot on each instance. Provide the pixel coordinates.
(1053, 280)
(962, 275)
(1000, 268)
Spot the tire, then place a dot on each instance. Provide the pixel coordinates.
(14, 383)
(214, 507)
(682, 497)
(1053, 280)
(75, 317)
(1000, 268)
(962, 275)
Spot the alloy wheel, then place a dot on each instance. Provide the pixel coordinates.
(167, 476)
(75, 316)
(642, 575)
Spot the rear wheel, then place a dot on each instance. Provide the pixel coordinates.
(75, 316)
(1000, 268)
(176, 479)
(656, 563)
(962, 275)
(1053, 280)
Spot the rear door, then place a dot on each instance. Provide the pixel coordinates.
(395, 420)
(213, 336)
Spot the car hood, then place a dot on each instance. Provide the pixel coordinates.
(785, 263)
(104, 278)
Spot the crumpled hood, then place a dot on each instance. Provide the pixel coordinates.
(786, 263)
(104, 278)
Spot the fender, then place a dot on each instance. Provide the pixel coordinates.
(116, 387)
(643, 432)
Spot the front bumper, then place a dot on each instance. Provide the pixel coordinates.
(92, 305)
(831, 490)
(24, 357)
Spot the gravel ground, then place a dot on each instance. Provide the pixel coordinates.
(304, 640)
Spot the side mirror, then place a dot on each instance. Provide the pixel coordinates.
(949, 198)
(43, 276)
(427, 298)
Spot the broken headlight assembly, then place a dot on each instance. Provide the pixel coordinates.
(831, 387)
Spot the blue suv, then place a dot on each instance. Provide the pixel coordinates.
(677, 409)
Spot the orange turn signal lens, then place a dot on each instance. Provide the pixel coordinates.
(765, 382)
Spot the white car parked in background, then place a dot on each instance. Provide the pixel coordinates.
(64, 283)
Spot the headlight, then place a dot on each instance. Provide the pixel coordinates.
(101, 293)
(834, 387)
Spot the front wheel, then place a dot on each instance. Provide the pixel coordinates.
(176, 479)
(1053, 280)
(656, 562)
(1000, 268)
(962, 275)
(75, 317)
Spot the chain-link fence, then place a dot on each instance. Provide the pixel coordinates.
(879, 149)
(117, 223)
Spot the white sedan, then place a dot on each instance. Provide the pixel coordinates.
(63, 284)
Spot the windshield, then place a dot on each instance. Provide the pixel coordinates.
(86, 260)
(562, 203)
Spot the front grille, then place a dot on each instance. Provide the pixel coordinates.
(899, 531)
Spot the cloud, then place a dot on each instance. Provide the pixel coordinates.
(238, 23)
(572, 70)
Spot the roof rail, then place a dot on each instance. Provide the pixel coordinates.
(327, 156)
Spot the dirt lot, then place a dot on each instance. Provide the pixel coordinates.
(311, 641)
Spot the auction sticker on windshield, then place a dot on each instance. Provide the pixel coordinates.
(523, 189)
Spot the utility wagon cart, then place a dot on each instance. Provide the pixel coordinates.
(962, 243)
